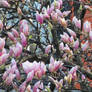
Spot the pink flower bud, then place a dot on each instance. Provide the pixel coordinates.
(23, 39)
(50, 9)
(17, 74)
(54, 16)
(30, 76)
(72, 33)
(38, 85)
(48, 49)
(83, 77)
(9, 79)
(52, 60)
(11, 36)
(17, 50)
(22, 87)
(4, 58)
(39, 18)
(76, 22)
(61, 2)
(87, 26)
(4, 3)
(16, 34)
(61, 46)
(43, 68)
(24, 27)
(76, 44)
(2, 43)
(90, 35)
(66, 13)
(1, 25)
(85, 45)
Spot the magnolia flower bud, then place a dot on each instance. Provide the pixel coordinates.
(30, 76)
(2, 43)
(72, 33)
(48, 49)
(15, 33)
(39, 18)
(23, 39)
(87, 26)
(85, 45)
(90, 35)
(76, 44)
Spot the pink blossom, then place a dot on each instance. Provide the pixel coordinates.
(50, 9)
(9, 79)
(73, 71)
(4, 58)
(90, 35)
(22, 87)
(15, 33)
(76, 44)
(17, 74)
(48, 49)
(85, 45)
(54, 65)
(4, 3)
(11, 36)
(83, 77)
(59, 13)
(17, 50)
(30, 76)
(39, 18)
(66, 13)
(72, 33)
(43, 68)
(76, 22)
(23, 39)
(2, 43)
(37, 86)
(24, 27)
(61, 3)
(27, 67)
(87, 26)
(54, 16)
(61, 46)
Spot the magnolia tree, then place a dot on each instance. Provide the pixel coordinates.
(40, 46)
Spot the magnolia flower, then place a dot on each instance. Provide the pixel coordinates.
(22, 87)
(83, 77)
(4, 3)
(66, 13)
(9, 79)
(90, 35)
(1, 25)
(3, 58)
(87, 26)
(15, 33)
(30, 76)
(63, 22)
(54, 16)
(23, 39)
(2, 43)
(50, 9)
(72, 33)
(11, 36)
(76, 22)
(54, 65)
(16, 50)
(38, 85)
(24, 27)
(85, 45)
(76, 44)
(48, 49)
(61, 46)
(39, 18)
(59, 13)
(73, 71)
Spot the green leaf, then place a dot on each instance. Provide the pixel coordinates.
(30, 36)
